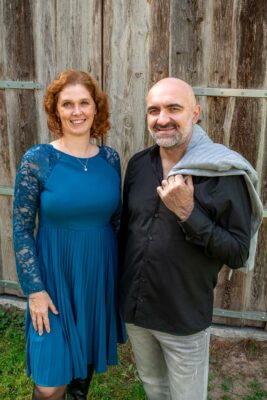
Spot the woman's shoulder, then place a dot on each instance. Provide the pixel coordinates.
(111, 156)
(37, 151)
(109, 152)
(39, 159)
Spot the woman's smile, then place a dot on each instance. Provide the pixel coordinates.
(76, 110)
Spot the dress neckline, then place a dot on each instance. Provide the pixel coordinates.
(70, 155)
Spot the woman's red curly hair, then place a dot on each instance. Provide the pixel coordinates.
(101, 122)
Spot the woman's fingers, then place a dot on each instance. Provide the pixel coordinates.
(46, 324)
(39, 321)
(34, 321)
(40, 325)
(39, 303)
(52, 307)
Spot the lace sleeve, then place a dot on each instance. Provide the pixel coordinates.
(26, 202)
(113, 158)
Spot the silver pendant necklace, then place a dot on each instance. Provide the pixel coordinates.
(84, 165)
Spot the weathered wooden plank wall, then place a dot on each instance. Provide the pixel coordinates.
(38, 39)
(127, 45)
(125, 62)
(224, 44)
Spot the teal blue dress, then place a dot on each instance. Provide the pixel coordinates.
(73, 257)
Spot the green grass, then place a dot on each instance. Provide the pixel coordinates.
(254, 389)
(119, 382)
(257, 391)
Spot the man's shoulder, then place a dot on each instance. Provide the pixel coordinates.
(141, 155)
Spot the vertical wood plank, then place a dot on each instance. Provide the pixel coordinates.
(4, 156)
(251, 43)
(159, 40)
(159, 47)
(190, 55)
(125, 55)
(79, 36)
(67, 36)
(19, 109)
(44, 29)
(5, 174)
(19, 65)
(248, 130)
(218, 44)
(257, 297)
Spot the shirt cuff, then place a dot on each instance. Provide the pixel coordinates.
(195, 224)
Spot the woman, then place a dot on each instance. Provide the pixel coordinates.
(69, 271)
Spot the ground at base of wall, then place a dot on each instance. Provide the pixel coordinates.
(238, 369)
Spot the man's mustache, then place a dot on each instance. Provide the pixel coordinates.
(169, 125)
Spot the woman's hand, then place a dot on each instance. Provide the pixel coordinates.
(39, 303)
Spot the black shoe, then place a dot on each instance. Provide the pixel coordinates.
(78, 389)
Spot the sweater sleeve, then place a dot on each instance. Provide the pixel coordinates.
(223, 230)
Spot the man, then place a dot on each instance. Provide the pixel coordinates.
(176, 234)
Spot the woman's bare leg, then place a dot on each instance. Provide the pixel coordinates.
(48, 393)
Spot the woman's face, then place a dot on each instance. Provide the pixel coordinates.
(76, 110)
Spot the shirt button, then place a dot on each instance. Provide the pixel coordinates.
(156, 215)
(150, 237)
(143, 280)
(140, 299)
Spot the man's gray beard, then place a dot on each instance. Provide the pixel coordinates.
(172, 142)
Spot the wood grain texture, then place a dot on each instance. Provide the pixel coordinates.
(65, 37)
(223, 44)
(159, 40)
(187, 42)
(5, 174)
(18, 40)
(127, 45)
(19, 64)
(8, 270)
(257, 297)
(251, 34)
(125, 55)
(19, 112)
(44, 29)
(38, 40)
(159, 47)
(78, 36)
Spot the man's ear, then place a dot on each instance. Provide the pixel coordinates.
(196, 114)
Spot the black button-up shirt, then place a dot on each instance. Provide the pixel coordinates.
(169, 268)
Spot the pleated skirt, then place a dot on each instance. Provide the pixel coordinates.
(79, 271)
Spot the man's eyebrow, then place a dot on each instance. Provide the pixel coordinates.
(152, 108)
(175, 105)
(166, 106)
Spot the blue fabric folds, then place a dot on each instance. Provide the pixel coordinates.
(73, 257)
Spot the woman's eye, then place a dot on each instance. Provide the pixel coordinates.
(85, 102)
(67, 104)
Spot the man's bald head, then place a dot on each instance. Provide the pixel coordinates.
(174, 85)
(171, 112)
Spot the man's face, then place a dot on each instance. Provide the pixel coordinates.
(171, 115)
